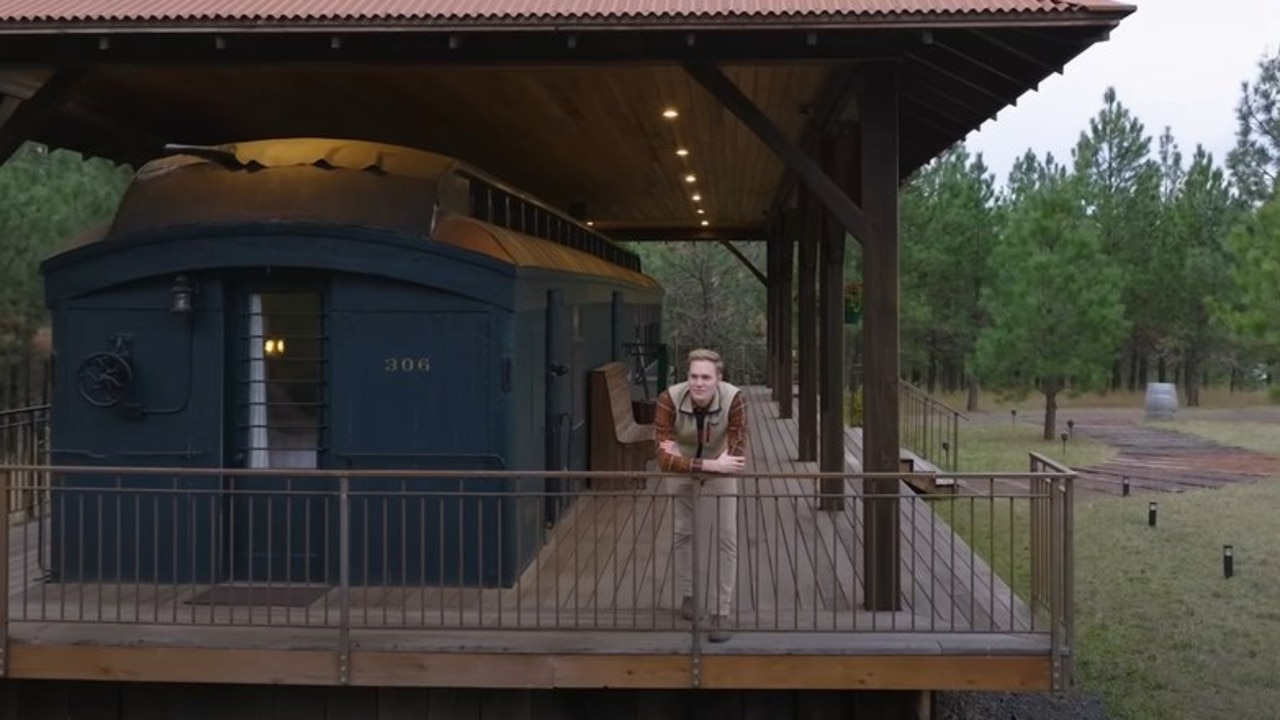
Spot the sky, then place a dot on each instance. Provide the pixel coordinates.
(1175, 63)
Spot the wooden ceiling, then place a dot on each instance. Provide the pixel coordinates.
(571, 130)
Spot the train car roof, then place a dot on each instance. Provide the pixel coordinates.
(341, 182)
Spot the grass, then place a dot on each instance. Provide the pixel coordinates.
(1161, 634)
(1004, 447)
(1216, 396)
(1260, 437)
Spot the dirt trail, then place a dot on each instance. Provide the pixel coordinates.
(1154, 458)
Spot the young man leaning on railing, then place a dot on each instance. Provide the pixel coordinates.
(701, 429)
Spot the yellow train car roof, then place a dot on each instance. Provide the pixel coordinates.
(341, 182)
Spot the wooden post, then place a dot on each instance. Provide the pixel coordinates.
(771, 311)
(6, 486)
(838, 151)
(786, 267)
(879, 107)
(810, 228)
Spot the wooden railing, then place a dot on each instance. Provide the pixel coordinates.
(928, 427)
(1052, 560)
(468, 551)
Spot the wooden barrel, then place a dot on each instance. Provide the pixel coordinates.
(1162, 401)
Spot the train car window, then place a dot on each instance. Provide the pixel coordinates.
(282, 407)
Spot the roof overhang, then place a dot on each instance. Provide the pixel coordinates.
(565, 106)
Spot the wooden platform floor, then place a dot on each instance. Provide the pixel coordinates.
(604, 585)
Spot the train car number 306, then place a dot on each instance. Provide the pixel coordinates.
(406, 364)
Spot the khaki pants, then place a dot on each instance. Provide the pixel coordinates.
(718, 561)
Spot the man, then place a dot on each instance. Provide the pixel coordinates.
(701, 429)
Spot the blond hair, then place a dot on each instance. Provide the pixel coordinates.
(710, 356)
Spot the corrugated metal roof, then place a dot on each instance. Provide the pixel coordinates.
(481, 11)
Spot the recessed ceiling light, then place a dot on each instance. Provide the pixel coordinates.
(670, 113)
(682, 152)
(697, 197)
(591, 223)
(701, 211)
(705, 223)
(691, 178)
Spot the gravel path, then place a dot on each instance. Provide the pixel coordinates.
(1017, 706)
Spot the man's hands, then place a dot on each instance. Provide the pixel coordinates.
(726, 463)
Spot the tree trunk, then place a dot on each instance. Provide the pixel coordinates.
(1142, 371)
(1192, 377)
(971, 404)
(1233, 379)
(1162, 369)
(1050, 413)
(1133, 369)
(1117, 377)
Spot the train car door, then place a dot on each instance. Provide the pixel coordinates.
(415, 386)
(276, 525)
(558, 403)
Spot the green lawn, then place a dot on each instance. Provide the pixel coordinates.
(1000, 447)
(1161, 634)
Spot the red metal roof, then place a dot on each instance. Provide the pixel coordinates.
(77, 12)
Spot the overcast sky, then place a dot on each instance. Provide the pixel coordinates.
(1176, 63)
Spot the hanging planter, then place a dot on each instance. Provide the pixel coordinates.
(852, 303)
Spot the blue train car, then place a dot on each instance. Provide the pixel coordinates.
(325, 304)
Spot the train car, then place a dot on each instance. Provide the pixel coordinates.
(308, 304)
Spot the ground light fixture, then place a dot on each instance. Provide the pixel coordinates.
(1151, 513)
(1228, 561)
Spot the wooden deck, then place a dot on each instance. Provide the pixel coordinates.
(596, 608)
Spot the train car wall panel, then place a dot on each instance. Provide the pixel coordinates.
(138, 385)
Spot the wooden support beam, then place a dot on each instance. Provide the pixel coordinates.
(727, 233)
(810, 218)
(786, 267)
(745, 261)
(26, 117)
(831, 105)
(710, 77)
(772, 306)
(488, 670)
(839, 160)
(880, 332)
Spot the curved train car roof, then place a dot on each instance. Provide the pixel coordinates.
(346, 182)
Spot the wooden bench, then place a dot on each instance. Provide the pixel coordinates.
(617, 441)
